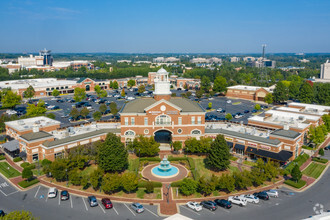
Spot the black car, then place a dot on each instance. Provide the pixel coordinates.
(87, 105)
(327, 147)
(65, 195)
(262, 195)
(55, 108)
(209, 205)
(60, 100)
(71, 100)
(107, 112)
(254, 111)
(102, 101)
(223, 203)
(2, 213)
(246, 111)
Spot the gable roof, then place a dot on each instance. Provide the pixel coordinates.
(162, 101)
(139, 105)
(82, 79)
(35, 135)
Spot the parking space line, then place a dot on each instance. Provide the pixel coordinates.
(151, 212)
(59, 200)
(129, 209)
(191, 210)
(71, 201)
(37, 192)
(102, 208)
(210, 211)
(84, 203)
(3, 192)
(12, 193)
(115, 210)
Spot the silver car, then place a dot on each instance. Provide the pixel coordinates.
(137, 207)
(272, 193)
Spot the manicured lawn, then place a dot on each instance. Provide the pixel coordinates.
(320, 160)
(158, 193)
(25, 184)
(297, 185)
(133, 164)
(233, 169)
(236, 103)
(140, 193)
(204, 171)
(249, 163)
(314, 170)
(233, 158)
(88, 170)
(300, 160)
(8, 171)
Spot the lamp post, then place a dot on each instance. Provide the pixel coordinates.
(168, 193)
(67, 177)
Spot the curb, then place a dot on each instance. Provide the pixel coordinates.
(316, 180)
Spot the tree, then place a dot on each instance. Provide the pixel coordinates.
(227, 183)
(149, 187)
(269, 98)
(111, 183)
(19, 215)
(294, 89)
(112, 154)
(79, 94)
(10, 99)
(113, 108)
(74, 177)
(74, 113)
(142, 88)
(177, 145)
(209, 106)
(29, 92)
(98, 90)
(131, 83)
(129, 182)
(205, 186)
(228, 116)
(326, 120)
(97, 115)
(84, 181)
(145, 146)
(296, 173)
(55, 93)
(306, 93)
(205, 84)
(188, 186)
(257, 107)
(58, 169)
(115, 85)
(280, 93)
(103, 93)
(321, 152)
(123, 93)
(27, 173)
(103, 108)
(218, 157)
(96, 178)
(199, 93)
(220, 84)
(84, 112)
(38, 110)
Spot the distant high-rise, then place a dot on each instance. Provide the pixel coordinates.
(48, 59)
(325, 70)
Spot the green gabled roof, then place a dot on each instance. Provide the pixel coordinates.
(35, 135)
(82, 79)
(79, 137)
(138, 105)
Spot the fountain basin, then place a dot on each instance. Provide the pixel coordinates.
(161, 173)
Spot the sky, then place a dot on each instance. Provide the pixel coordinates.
(171, 26)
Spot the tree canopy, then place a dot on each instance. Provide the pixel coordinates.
(218, 157)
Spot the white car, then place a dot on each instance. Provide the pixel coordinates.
(194, 206)
(219, 109)
(51, 106)
(237, 200)
(250, 198)
(11, 112)
(211, 98)
(272, 193)
(52, 192)
(229, 101)
(130, 98)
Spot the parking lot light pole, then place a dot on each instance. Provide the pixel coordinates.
(67, 177)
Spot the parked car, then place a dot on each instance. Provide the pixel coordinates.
(52, 192)
(209, 205)
(228, 101)
(92, 201)
(137, 207)
(223, 203)
(246, 111)
(107, 112)
(55, 107)
(272, 193)
(327, 147)
(2, 213)
(223, 111)
(219, 109)
(262, 195)
(237, 200)
(65, 195)
(60, 100)
(107, 203)
(194, 206)
(130, 98)
(254, 111)
(250, 198)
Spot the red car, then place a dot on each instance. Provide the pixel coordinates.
(107, 203)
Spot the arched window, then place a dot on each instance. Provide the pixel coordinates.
(196, 132)
(163, 120)
(129, 133)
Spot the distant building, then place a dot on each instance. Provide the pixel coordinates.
(31, 61)
(249, 59)
(47, 57)
(165, 60)
(234, 59)
(124, 61)
(254, 93)
(261, 63)
(304, 61)
(204, 60)
(325, 70)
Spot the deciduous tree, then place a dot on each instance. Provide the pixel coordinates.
(97, 115)
(188, 186)
(74, 113)
(218, 157)
(29, 92)
(79, 94)
(129, 182)
(55, 93)
(84, 112)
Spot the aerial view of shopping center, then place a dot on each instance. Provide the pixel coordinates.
(143, 117)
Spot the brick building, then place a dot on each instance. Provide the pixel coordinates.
(254, 93)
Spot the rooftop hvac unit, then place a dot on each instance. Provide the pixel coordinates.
(20, 122)
(301, 118)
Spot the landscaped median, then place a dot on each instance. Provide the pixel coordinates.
(26, 183)
(314, 170)
(8, 171)
(298, 185)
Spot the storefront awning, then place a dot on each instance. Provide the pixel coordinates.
(230, 144)
(283, 155)
(239, 146)
(11, 146)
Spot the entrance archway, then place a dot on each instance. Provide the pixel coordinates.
(88, 88)
(163, 136)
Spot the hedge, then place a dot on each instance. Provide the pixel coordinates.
(170, 158)
(2, 157)
(176, 184)
(25, 184)
(295, 184)
(143, 184)
(320, 160)
(25, 164)
(157, 159)
(17, 159)
(28, 165)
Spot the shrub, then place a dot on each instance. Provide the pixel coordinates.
(17, 159)
(45, 162)
(2, 157)
(320, 160)
(297, 185)
(188, 186)
(143, 184)
(321, 152)
(25, 164)
(157, 159)
(149, 187)
(176, 184)
(25, 184)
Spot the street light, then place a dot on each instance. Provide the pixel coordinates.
(67, 177)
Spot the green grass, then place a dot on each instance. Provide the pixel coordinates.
(158, 193)
(236, 103)
(249, 163)
(133, 164)
(216, 193)
(307, 148)
(233, 169)
(56, 110)
(36, 173)
(300, 160)
(140, 193)
(314, 170)
(233, 158)
(297, 185)
(2, 157)
(88, 170)
(25, 184)
(202, 170)
(197, 195)
(8, 171)
(320, 160)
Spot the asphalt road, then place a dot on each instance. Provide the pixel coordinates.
(289, 205)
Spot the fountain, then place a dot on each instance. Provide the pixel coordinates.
(165, 169)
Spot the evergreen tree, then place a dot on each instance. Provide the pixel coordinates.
(280, 93)
(129, 182)
(112, 154)
(306, 93)
(96, 178)
(111, 183)
(296, 173)
(218, 157)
